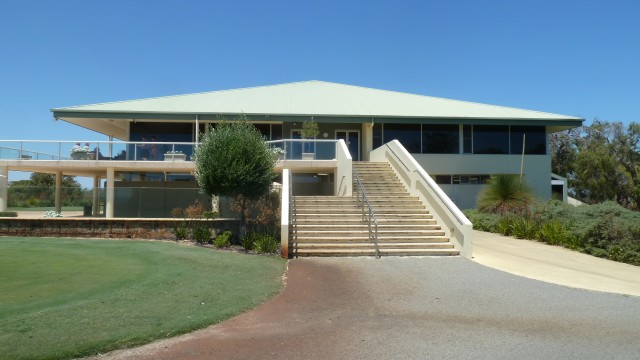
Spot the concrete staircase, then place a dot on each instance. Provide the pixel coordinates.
(333, 225)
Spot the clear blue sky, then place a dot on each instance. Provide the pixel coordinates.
(570, 57)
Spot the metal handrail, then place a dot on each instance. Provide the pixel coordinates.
(370, 217)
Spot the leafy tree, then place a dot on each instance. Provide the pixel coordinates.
(233, 160)
(601, 161)
(505, 194)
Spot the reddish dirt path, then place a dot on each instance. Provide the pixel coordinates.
(302, 317)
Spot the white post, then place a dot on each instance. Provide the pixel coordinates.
(4, 185)
(284, 217)
(58, 194)
(110, 193)
(96, 196)
(522, 160)
(197, 131)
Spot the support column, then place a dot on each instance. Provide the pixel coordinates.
(4, 185)
(96, 196)
(367, 140)
(110, 193)
(58, 194)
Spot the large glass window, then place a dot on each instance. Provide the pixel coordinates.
(377, 135)
(440, 139)
(490, 139)
(467, 144)
(535, 138)
(407, 134)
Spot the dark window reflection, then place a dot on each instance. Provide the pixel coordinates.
(407, 134)
(535, 140)
(490, 139)
(440, 139)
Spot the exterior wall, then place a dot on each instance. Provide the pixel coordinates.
(134, 199)
(537, 172)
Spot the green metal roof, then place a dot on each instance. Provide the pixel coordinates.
(315, 98)
(300, 99)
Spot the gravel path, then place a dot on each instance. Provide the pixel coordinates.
(415, 308)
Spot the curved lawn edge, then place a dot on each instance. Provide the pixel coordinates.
(80, 297)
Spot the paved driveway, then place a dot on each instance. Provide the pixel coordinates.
(415, 308)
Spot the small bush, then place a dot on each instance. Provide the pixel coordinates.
(180, 225)
(210, 214)
(201, 233)
(483, 221)
(248, 241)
(265, 244)
(556, 233)
(223, 240)
(8, 214)
(524, 227)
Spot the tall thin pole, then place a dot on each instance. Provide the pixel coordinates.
(524, 138)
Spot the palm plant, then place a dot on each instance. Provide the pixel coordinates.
(505, 194)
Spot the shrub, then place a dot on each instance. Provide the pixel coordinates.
(483, 221)
(504, 226)
(223, 240)
(201, 233)
(556, 233)
(180, 225)
(524, 227)
(8, 214)
(248, 241)
(210, 214)
(265, 244)
(505, 194)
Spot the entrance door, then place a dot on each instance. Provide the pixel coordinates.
(352, 139)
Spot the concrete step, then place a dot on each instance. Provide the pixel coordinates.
(329, 217)
(364, 233)
(302, 238)
(372, 252)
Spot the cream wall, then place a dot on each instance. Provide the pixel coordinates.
(537, 172)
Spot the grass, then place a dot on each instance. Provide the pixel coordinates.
(65, 298)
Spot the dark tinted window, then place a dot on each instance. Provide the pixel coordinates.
(407, 134)
(377, 135)
(490, 139)
(535, 140)
(466, 139)
(440, 139)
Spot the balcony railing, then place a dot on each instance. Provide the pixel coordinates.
(290, 149)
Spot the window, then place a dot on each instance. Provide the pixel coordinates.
(377, 135)
(407, 134)
(440, 139)
(490, 139)
(535, 138)
(467, 144)
(462, 179)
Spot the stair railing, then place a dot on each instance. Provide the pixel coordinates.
(367, 215)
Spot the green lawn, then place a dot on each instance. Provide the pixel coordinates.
(64, 298)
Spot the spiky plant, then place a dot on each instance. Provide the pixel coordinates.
(505, 194)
